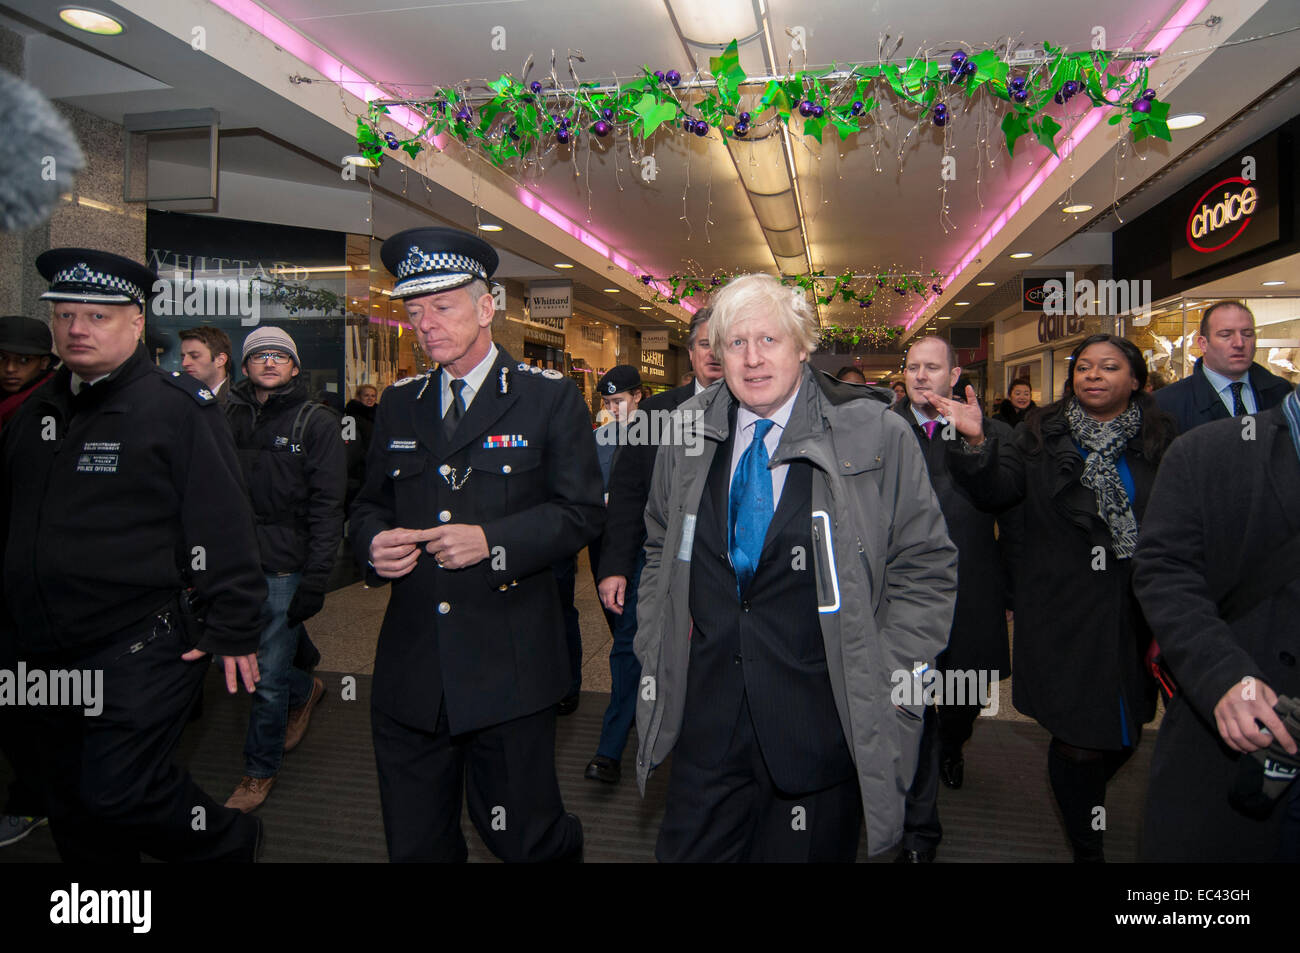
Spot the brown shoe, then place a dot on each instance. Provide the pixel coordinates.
(251, 793)
(296, 726)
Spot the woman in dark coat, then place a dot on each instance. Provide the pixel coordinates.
(1018, 404)
(1083, 468)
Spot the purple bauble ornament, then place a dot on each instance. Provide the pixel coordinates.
(936, 289)
(1148, 94)
(607, 114)
(863, 304)
(646, 279)
(900, 291)
(1016, 82)
(1142, 106)
(535, 86)
(701, 128)
(659, 75)
(514, 133)
(968, 68)
(1020, 95)
(856, 108)
(941, 121)
(743, 117)
(741, 130)
(673, 77)
(714, 282)
(1069, 89)
(805, 109)
(602, 128)
(391, 140)
(1058, 99)
(562, 135)
(818, 111)
(880, 282)
(464, 114)
(958, 61)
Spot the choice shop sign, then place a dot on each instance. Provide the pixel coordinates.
(1230, 211)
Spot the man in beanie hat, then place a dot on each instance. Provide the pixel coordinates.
(481, 476)
(26, 359)
(295, 467)
(128, 554)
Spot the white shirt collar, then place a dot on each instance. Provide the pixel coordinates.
(1221, 382)
(473, 380)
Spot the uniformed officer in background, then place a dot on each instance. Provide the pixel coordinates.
(120, 490)
(481, 476)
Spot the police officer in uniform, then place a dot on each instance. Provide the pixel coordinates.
(481, 476)
(120, 490)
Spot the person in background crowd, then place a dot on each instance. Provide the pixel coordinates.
(1226, 381)
(482, 475)
(772, 674)
(978, 639)
(1018, 404)
(646, 392)
(687, 378)
(850, 374)
(361, 409)
(206, 356)
(1083, 467)
(26, 356)
(294, 465)
(900, 390)
(1155, 381)
(622, 555)
(620, 393)
(100, 528)
(1215, 572)
(26, 361)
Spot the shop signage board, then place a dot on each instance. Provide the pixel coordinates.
(549, 300)
(1232, 210)
(656, 340)
(1032, 293)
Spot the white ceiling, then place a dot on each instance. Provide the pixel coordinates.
(695, 214)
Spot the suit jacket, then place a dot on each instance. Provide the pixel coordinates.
(629, 489)
(488, 637)
(764, 644)
(1193, 400)
(1201, 536)
(979, 623)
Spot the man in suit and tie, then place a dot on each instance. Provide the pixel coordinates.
(1226, 381)
(797, 567)
(481, 476)
(622, 556)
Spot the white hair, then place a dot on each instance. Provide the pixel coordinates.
(751, 296)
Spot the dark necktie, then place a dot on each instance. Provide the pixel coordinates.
(750, 506)
(456, 411)
(1238, 406)
(930, 427)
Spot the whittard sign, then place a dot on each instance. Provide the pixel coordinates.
(549, 299)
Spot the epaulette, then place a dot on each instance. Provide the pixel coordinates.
(407, 380)
(549, 373)
(191, 385)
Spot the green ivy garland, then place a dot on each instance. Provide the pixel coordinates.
(516, 119)
(847, 286)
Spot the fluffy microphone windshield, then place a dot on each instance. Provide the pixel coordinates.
(38, 155)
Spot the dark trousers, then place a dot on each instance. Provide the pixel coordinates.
(111, 788)
(945, 730)
(1079, 777)
(732, 811)
(624, 674)
(507, 772)
(566, 578)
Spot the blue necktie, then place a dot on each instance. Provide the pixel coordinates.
(750, 506)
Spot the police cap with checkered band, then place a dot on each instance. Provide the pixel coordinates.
(94, 277)
(428, 260)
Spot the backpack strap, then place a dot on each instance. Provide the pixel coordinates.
(300, 421)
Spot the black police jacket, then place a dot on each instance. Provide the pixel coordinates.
(112, 501)
(522, 465)
(296, 489)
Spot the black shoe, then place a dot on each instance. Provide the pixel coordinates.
(578, 855)
(604, 769)
(952, 771)
(906, 856)
(568, 704)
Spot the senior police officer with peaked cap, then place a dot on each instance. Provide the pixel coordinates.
(119, 491)
(481, 475)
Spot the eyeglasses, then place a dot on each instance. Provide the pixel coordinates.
(270, 357)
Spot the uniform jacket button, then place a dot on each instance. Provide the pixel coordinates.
(444, 608)
(502, 588)
(444, 516)
(505, 468)
(397, 471)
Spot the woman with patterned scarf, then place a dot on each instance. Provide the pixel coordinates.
(1083, 468)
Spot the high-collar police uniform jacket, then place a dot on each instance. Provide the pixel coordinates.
(115, 499)
(522, 465)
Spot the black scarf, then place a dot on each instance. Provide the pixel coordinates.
(1106, 441)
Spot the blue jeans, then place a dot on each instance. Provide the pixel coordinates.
(281, 687)
(624, 672)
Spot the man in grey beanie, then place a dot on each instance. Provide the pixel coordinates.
(292, 456)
